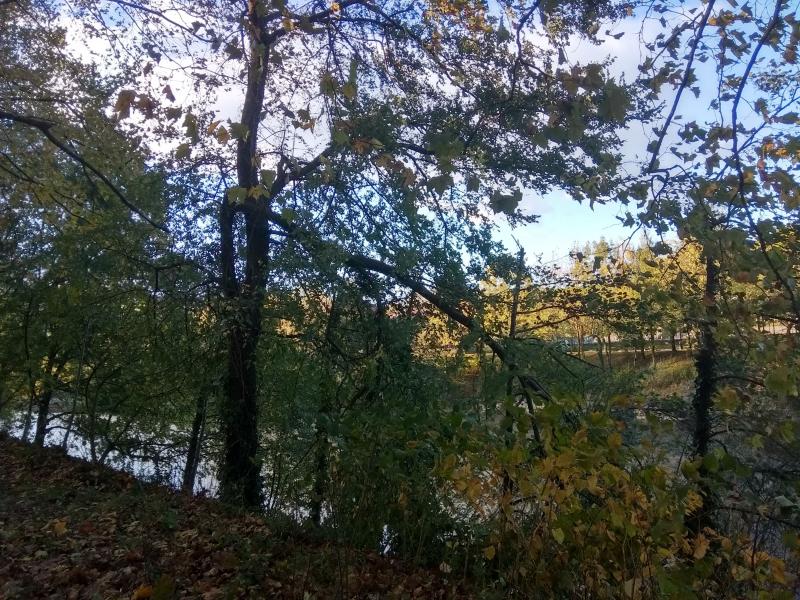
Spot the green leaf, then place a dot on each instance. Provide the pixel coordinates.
(239, 131)
(711, 463)
(440, 183)
(237, 195)
(727, 399)
(349, 90)
(340, 137)
(183, 151)
(690, 470)
(164, 588)
(505, 203)
(615, 103)
(558, 535)
(779, 381)
(190, 123)
(267, 177)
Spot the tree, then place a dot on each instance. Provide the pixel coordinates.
(362, 155)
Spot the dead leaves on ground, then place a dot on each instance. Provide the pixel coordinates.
(69, 529)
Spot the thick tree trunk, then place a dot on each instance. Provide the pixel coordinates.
(195, 444)
(705, 362)
(241, 470)
(672, 345)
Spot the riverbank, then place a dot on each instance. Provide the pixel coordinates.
(70, 529)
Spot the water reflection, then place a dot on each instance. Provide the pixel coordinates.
(156, 460)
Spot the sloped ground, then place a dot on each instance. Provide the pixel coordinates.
(69, 529)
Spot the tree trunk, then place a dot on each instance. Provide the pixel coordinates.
(43, 413)
(600, 351)
(26, 428)
(42, 417)
(705, 362)
(508, 483)
(320, 470)
(195, 443)
(240, 476)
(653, 347)
(672, 345)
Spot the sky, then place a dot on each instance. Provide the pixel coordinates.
(562, 224)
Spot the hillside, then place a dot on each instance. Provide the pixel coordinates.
(69, 529)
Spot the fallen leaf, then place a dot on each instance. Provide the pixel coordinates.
(143, 591)
(60, 527)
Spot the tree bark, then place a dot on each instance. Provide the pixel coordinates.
(600, 357)
(195, 444)
(42, 417)
(320, 469)
(705, 362)
(653, 347)
(240, 476)
(508, 483)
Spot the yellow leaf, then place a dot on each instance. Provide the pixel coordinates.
(565, 459)
(592, 485)
(489, 552)
(473, 489)
(222, 135)
(693, 501)
(614, 440)
(143, 591)
(123, 104)
(60, 527)
(776, 567)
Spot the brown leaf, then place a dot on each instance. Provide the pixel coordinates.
(143, 591)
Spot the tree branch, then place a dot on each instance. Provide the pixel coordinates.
(363, 263)
(684, 83)
(45, 128)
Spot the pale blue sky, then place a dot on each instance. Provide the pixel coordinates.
(563, 222)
